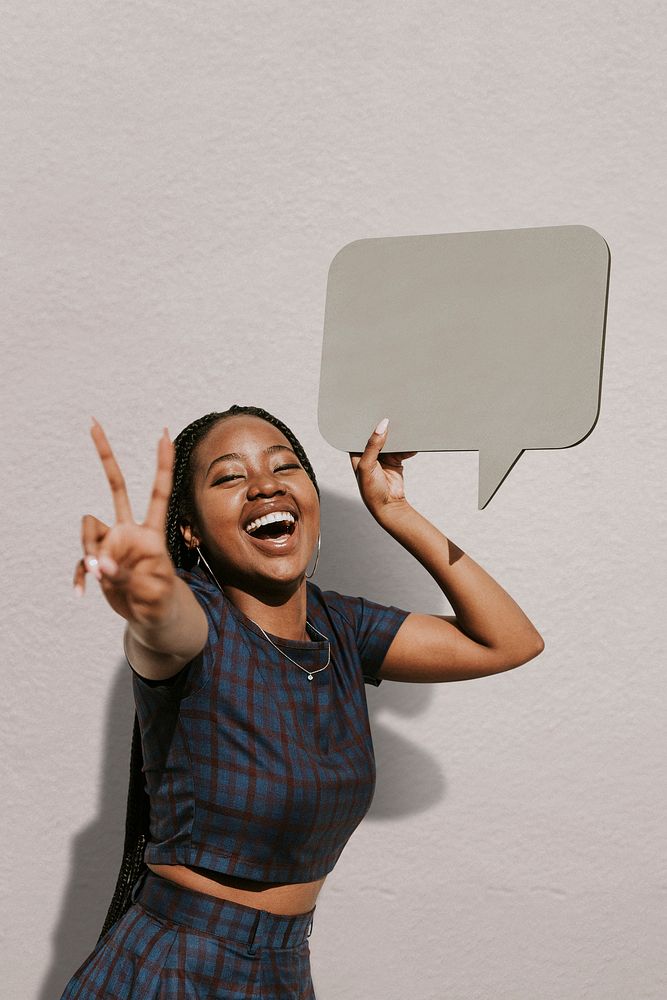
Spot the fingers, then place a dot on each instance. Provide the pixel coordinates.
(373, 447)
(79, 581)
(121, 501)
(93, 532)
(156, 515)
(394, 459)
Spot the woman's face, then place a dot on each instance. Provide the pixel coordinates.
(243, 469)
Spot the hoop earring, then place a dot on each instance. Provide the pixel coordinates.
(308, 575)
(201, 560)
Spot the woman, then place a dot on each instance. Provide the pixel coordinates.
(248, 684)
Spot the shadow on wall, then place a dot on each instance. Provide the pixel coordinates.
(96, 850)
(357, 558)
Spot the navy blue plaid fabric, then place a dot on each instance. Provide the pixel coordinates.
(178, 944)
(251, 768)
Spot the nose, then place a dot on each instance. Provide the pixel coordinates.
(265, 484)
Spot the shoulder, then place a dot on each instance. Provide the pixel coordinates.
(360, 614)
(340, 606)
(197, 580)
(210, 597)
(370, 627)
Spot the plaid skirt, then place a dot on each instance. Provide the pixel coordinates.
(177, 944)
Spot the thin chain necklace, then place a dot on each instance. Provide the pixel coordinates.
(309, 672)
(305, 670)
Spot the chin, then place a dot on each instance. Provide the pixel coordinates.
(285, 573)
(292, 576)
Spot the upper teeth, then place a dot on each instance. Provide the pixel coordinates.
(277, 515)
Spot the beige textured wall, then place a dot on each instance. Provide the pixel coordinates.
(176, 178)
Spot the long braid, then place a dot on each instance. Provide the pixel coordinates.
(185, 443)
(136, 835)
(137, 822)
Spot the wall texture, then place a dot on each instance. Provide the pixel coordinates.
(176, 178)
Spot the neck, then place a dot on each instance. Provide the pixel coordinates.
(280, 614)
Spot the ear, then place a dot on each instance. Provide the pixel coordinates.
(189, 536)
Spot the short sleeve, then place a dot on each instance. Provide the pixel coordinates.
(210, 599)
(173, 685)
(375, 626)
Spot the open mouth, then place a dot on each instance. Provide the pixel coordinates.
(273, 531)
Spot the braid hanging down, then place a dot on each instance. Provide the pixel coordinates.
(137, 822)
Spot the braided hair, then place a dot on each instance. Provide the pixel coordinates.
(137, 825)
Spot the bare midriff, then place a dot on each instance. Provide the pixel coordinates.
(276, 897)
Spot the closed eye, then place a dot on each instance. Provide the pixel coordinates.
(225, 479)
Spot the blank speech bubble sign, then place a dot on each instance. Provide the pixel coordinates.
(486, 341)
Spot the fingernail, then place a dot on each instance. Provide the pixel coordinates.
(78, 590)
(93, 567)
(382, 426)
(107, 565)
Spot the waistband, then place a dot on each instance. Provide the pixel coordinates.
(245, 925)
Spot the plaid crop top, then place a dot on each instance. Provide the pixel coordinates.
(252, 769)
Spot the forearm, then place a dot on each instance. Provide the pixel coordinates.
(484, 611)
(179, 631)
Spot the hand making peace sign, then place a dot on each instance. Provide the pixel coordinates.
(130, 560)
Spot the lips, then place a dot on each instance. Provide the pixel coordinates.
(271, 509)
(283, 545)
(262, 534)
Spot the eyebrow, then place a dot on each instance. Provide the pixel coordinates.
(235, 456)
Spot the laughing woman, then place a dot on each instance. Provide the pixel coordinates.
(252, 736)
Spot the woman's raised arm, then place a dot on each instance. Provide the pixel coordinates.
(166, 625)
(490, 632)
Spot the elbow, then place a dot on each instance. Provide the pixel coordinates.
(527, 652)
(519, 654)
(535, 648)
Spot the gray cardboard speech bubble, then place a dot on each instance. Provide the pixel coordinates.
(483, 341)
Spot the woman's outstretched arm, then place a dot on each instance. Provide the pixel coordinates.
(166, 626)
(490, 632)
